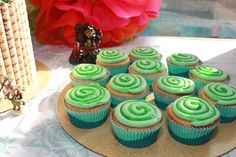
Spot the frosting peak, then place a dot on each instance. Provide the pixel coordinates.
(89, 72)
(148, 66)
(144, 52)
(87, 96)
(128, 83)
(138, 113)
(176, 85)
(111, 56)
(197, 111)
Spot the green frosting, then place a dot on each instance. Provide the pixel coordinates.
(111, 56)
(89, 72)
(4, 1)
(176, 85)
(223, 94)
(184, 59)
(138, 113)
(209, 73)
(87, 96)
(143, 52)
(128, 83)
(148, 66)
(197, 111)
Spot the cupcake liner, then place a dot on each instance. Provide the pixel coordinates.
(151, 79)
(118, 69)
(227, 113)
(178, 70)
(162, 101)
(102, 81)
(199, 84)
(190, 136)
(135, 138)
(88, 119)
(115, 100)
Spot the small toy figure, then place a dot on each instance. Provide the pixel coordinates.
(13, 94)
(87, 41)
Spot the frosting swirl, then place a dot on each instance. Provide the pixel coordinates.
(144, 52)
(209, 73)
(87, 96)
(184, 59)
(223, 94)
(89, 72)
(196, 110)
(128, 83)
(137, 113)
(111, 56)
(148, 66)
(176, 85)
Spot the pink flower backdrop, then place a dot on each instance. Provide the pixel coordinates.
(119, 20)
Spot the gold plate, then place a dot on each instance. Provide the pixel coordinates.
(102, 141)
(43, 77)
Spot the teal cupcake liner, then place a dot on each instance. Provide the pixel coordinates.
(115, 100)
(190, 136)
(162, 101)
(135, 138)
(198, 84)
(102, 82)
(150, 80)
(227, 113)
(118, 69)
(88, 119)
(178, 70)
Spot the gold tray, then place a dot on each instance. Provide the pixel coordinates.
(43, 77)
(101, 140)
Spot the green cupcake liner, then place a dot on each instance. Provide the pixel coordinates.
(190, 136)
(85, 119)
(227, 113)
(198, 84)
(118, 69)
(115, 100)
(135, 138)
(102, 82)
(178, 70)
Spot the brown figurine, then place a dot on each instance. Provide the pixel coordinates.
(87, 41)
(14, 94)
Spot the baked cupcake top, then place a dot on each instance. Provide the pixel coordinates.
(176, 85)
(89, 72)
(184, 59)
(137, 113)
(87, 96)
(128, 83)
(148, 66)
(221, 93)
(197, 111)
(209, 73)
(144, 52)
(111, 56)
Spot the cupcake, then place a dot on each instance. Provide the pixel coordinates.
(203, 74)
(136, 123)
(87, 105)
(127, 86)
(179, 64)
(169, 88)
(89, 73)
(114, 60)
(150, 69)
(144, 52)
(192, 120)
(223, 96)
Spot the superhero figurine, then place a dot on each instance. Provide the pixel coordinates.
(87, 41)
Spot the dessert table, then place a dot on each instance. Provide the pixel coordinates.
(38, 133)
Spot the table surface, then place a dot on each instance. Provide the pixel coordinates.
(38, 132)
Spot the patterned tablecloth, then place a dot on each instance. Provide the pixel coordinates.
(39, 134)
